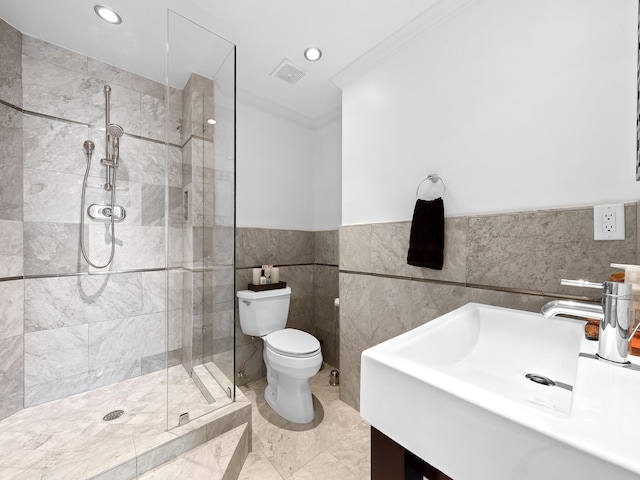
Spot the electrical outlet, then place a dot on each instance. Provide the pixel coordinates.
(608, 222)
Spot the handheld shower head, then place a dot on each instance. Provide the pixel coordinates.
(115, 130)
(89, 146)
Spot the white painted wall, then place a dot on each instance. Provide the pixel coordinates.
(274, 168)
(518, 105)
(288, 174)
(328, 175)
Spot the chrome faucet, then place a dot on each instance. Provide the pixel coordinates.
(614, 314)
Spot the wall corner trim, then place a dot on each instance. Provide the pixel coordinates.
(422, 25)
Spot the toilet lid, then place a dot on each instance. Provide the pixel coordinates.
(292, 342)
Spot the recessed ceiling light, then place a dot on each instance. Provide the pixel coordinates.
(312, 54)
(108, 14)
(211, 121)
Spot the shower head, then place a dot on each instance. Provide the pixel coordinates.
(115, 130)
(88, 147)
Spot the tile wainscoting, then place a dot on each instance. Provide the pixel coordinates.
(513, 260)
(308, 262)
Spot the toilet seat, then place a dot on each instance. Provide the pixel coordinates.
(292, 343)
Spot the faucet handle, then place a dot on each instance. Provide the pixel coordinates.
(580, 283)
(609, 288)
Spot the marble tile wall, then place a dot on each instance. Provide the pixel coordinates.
(487, 259)
(54, 163)
(11, 74)
(84, 332)
(208, 184)
(308, 263)
(61, 332)
(11, 211)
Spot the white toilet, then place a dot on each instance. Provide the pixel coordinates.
(291, 356)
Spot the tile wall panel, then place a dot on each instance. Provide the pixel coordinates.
(198, 106)
(326, 247)
(52, 248)
(50, 355)
(125, 342)
(257, 246)
(381, 296)
(207, 240)
(11, 215)
(58, 302)
(54, 55)
(135, 247)
(534, 250)
(11, 249)
(67, 325)
(11, 164)
(325, 323)
(11, 72)
(11, 367)
(389, 245)
(11, 308)
(54, 145)
(11, 375)
(308, 263)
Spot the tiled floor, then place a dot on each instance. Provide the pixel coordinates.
(335, 446)
(67, 439)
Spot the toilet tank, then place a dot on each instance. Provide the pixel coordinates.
(263, 312)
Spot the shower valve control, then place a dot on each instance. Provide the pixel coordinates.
(104, 212)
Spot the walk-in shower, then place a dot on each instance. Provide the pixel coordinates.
(152, 334)
(112, 213)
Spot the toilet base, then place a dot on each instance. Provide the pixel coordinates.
(292, 400)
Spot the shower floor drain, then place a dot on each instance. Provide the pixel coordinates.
(113, 415)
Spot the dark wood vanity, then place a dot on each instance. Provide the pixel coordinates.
(390, 461)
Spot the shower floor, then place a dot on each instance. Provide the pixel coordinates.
(67, 438)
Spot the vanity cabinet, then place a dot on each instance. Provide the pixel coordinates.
(390, 461)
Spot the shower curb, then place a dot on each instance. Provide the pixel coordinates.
(225, 464)
(187, 437)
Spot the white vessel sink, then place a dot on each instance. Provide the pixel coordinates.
(454, 392)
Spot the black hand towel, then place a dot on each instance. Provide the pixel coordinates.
(426, 243)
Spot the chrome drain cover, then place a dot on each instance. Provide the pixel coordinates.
(546, 381)
(540, 379)
(113, 415)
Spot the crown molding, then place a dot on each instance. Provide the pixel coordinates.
(327, 118)
(274, 108)
(419, 27)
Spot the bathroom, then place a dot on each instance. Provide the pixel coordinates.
(524, 111)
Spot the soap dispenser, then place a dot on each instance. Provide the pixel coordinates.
(632, 275)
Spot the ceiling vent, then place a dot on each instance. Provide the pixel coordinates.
(288, 72)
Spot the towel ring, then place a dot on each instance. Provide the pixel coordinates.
(435, 178)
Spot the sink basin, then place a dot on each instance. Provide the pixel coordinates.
(493, 349)
(455, 392)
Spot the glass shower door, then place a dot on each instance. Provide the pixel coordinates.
(201, 78)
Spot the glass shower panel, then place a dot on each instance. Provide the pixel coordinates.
(219, 339)
(201, 79)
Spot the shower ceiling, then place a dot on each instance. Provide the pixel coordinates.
(264, 31)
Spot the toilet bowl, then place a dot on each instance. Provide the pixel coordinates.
(291, 356)
(288, 372)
